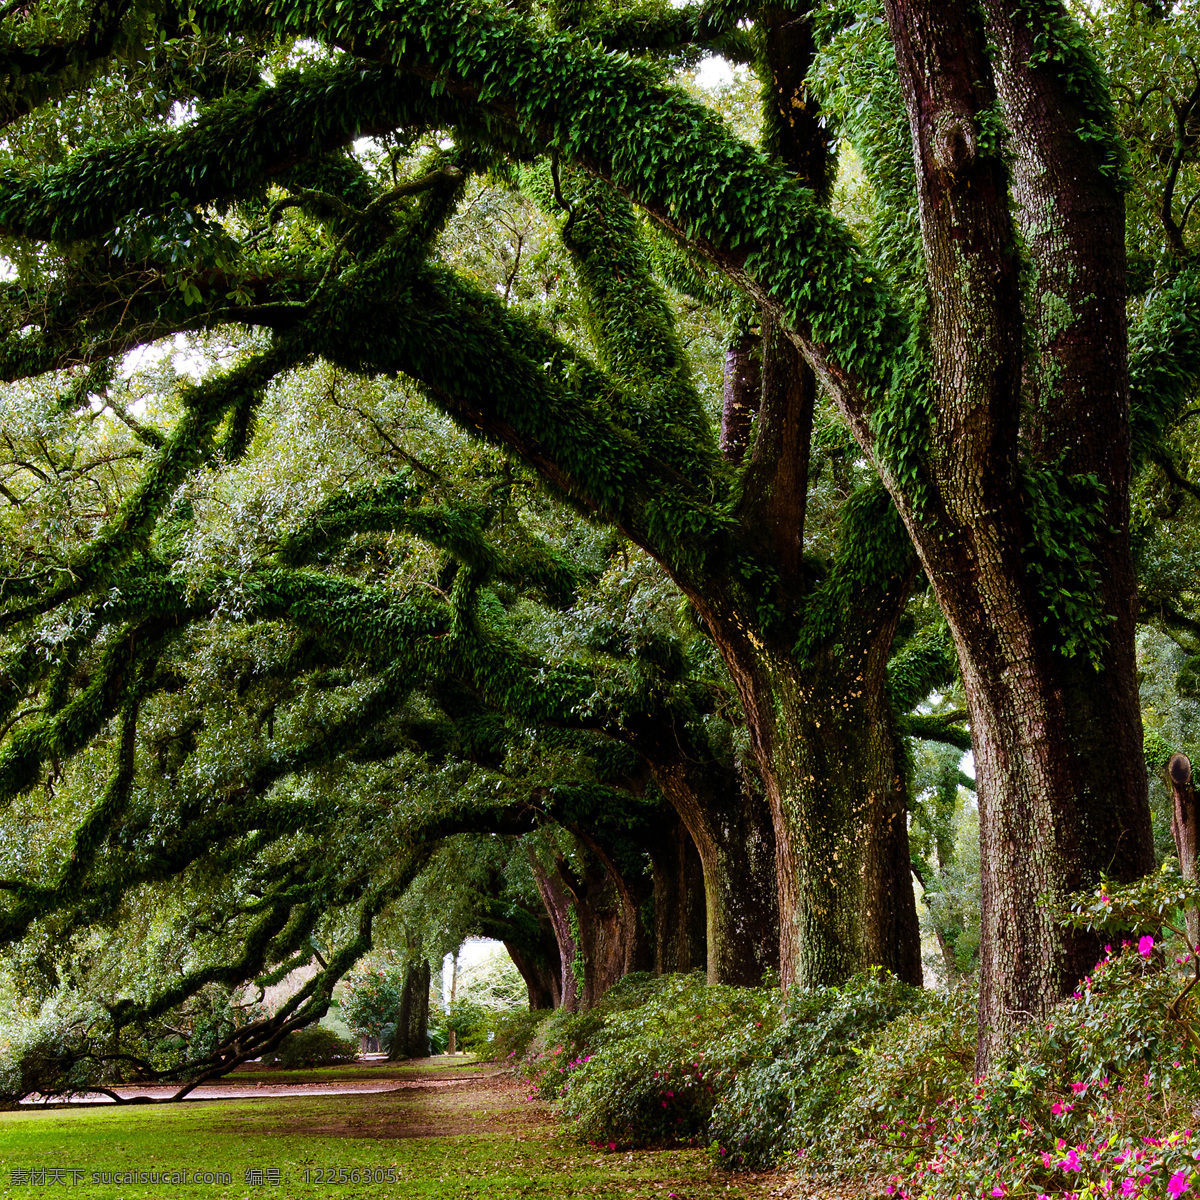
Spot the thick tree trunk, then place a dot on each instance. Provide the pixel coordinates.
(1061, 778)
(742, 392)
(411, 1039)
(558, 901)
(735, 839)
(596, 920)
(611, 934)
(680, 939)
(543, 980)
(830, 758)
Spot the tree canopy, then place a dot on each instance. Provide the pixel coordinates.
(940, 388)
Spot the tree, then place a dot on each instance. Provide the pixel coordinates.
(984, 372)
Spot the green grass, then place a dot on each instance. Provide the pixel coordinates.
(495, 1147)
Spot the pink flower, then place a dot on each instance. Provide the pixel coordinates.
(1078, 1087)
(1180, 1182)
(1145, 945)
(1129, 1188)
(1071, 1162)
(998, 1190)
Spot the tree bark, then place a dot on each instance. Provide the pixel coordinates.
(1183, 830)
(733, 835)
(742, 391)
(680, 939)
(831, 764)
(543, 981)
(1061, 778)
(558, 901)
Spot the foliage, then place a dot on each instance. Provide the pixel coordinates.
(513, 1033)
(651, 1071)
(371, 998)
(785, 1100)
(312, 1046)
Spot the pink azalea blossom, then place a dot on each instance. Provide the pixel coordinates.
(1145, 945)
(1180, 1182)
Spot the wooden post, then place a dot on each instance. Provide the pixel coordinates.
(1183, 830)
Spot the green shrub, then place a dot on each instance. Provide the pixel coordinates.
(905, 1076)
(558, 1041)
(652, 1071)
(513, 1032)
(312, 1046)
(785, 1098)
(371, 999)
(471, 1023)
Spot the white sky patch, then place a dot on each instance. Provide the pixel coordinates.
(714, 72)
(472, 951)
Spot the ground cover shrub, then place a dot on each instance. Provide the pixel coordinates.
(312, 1046)
(665, 1051)
(1101, 1099)
(876, 1079)
(890, 1104)
(558, 1043)
(513, 1032)
(788, 1095)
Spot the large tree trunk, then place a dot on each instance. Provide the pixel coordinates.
(831, 762)
(734, 837)
(557, 898)
(611, 935)
(411, 1039)
(596, 920)
(542, 975)
(1061, 778)
(680, 939)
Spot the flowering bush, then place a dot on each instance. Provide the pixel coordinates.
(513, 1032)
(371, 998)
(1100, 1100)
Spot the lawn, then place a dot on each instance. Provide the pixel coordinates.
(459, 1131)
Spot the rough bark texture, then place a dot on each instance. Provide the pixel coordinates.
(1183, 830)
(595, 914)
(611, 936)
(735, 841)
(557, 899)
(411, 1039)
(825, 739)
(742, 389)
(776, 489)
(1058, 757)
(680, 919)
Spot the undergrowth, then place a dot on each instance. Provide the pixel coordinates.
(874, 1081)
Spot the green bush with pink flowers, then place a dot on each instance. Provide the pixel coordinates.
(873, 1081)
